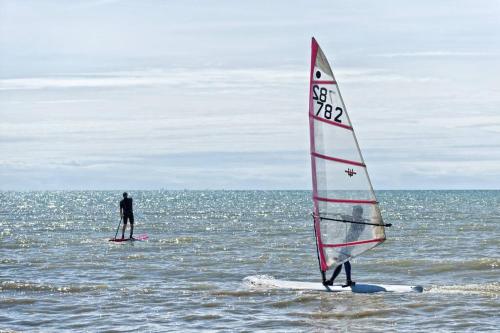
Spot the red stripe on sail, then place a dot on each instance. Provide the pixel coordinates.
(340, 160)
(355, 243)
(366, 202)
(330, 122)
(323, 82)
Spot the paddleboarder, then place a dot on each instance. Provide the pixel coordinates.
(353, 234)
(127, 214)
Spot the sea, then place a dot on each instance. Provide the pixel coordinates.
(59, 272)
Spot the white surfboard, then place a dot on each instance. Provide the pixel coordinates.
(363, 288)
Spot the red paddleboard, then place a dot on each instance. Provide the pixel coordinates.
(140, 238)
(119, 240)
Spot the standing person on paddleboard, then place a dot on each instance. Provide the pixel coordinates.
(353, 234)
(127, 213)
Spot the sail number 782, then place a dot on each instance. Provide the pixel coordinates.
(319, 95)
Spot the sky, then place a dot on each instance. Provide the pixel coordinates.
(184, 94)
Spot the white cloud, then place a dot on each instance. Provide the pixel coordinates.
(443, 167)
(380, 76)
(431, 54)
(202, 78)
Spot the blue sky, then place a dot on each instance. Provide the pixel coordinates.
(213, 94)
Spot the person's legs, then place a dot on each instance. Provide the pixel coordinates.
(124, 226)
(336, 272)
(347, 266)
(131, 219)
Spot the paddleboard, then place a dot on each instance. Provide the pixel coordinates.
(139, 238)
(363, 288)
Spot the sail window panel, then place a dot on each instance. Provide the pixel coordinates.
(338, 255)
(337, 180)
(344, 211)
(322, 74)
(336, 142)
(341, 234)
(338, 232)
(322, 70)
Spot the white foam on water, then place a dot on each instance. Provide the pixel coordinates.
(487, 289)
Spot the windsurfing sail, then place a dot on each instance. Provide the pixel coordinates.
(347, 219)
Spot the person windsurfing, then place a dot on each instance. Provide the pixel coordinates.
(127, 214)
(353, 234)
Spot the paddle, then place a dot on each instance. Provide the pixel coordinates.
(118, 228)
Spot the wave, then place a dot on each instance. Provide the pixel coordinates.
(377, 313)
(136, 257)
(486, 289)
(235, 293)
(461, 265)
(30, 286)
(301, 298)
(196, 317)
(443, 265)
(14, 301)
(177, 240)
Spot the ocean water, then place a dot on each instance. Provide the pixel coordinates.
(59, 273)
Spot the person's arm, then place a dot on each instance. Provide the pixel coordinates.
(121, 209)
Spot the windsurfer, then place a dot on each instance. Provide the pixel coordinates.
(353, 234)
(127, 213)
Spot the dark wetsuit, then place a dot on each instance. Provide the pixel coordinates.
(128, 211)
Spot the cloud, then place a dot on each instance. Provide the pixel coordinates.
(445, 167)
(373, 75)
(67, 101)
(490, 123)
(216, 170)
(202, 78)
(432, 54)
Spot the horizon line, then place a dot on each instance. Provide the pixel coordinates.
(233, 190)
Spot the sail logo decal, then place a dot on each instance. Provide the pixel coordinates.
(350, 172)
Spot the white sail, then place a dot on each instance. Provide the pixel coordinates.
(347, 217)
